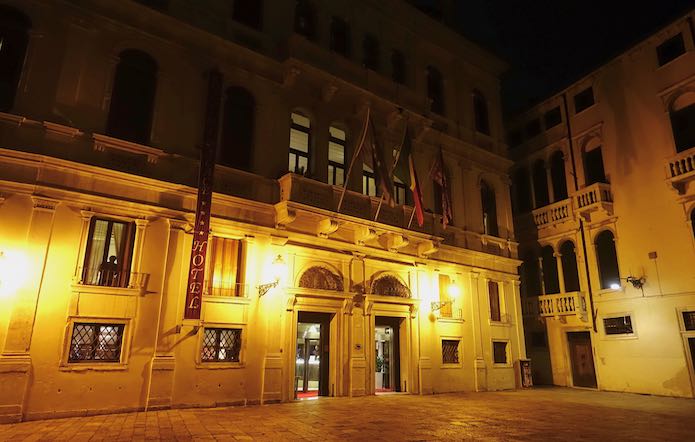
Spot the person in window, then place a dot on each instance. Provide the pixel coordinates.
(108, 272)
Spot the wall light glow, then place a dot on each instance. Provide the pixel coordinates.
(14, 269)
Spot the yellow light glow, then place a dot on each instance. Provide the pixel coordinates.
(14, 269)
(454, 290)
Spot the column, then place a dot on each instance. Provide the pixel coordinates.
(560, 271)
(15, 360)
(479, 341)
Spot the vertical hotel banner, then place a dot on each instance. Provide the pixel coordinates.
(196, 272)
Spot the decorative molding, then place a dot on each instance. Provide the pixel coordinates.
(326, 226)
(289, 77)
(291, 302)
(393, 241)
(284, 216)
(61, 130)
(275, 240)
(328, 92)
(362, 234)
(44, 204)
(427, 248)
(16, 120)
(103, 142)
(321, 278)
(390, 285)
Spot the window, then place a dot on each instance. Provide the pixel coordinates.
(557, 175)
(552, 118)
(533, 128)
(570, 271)
(225, 261)
(236, 147)
(621, 325)
(489, 204)
(370, 53)
(398, 67)
(340, 37)
(522, 190)
(368, 181)
(437, 194)
(550, 276)
(336, 156)
(300, 140)
(499, 352)
(108, 254)
(446, 302)
(132, 98)
(400, 191)
(583, 100)
(96, 342)
(305, 19)
(530, 276)
(593, 164)
(248, 12)
(607, 260)
(689, 320)
(14, 37)
(540, 184)
(515, 138)
(682, 117)
(482, 121)
(221, 345)
(494, 296)
(435, 90)
(670, 49)
(450, 351)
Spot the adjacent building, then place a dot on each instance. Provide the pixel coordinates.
(309, 290)
(604, 202)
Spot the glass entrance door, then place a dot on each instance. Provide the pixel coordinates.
(307, 370)
(387, 373)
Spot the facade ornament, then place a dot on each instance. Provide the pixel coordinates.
(327, 226)
(393, 241)
(44, 204)
(390, 285)
(290, 76)
(321, 278)
(362, 234)
(328, 92)
(284, 216)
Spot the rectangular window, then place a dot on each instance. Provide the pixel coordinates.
(689, 320)
(225, 274)
(447, 309)
(300, 139)
(96, 342)
(552, 118)
(221, 345)
(583, 100)
(533, 128)
(671, 49)
(336, 156)
(109, 252)
(499, 352)
(493, 293)
(621, 325)
(450, 351)
(399, 191)
(368, 181)
(593, 167)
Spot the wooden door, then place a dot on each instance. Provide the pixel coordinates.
(582, 359)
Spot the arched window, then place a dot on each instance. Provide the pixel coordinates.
(340, 37)
(593, 166)
(482, 122)
(370, 52)
(14, 37)
(336, 156)
(522, 190)
(550, 278)
(132, 99)
(305, 19)
(569, 267)
(557, 174)
(435, 90)
(530, 276)
(248, 12)
(540, 184)
(300, 142)
(487, 197)
(683, 121)
(607, 258)
(236, 149)
(398, 66)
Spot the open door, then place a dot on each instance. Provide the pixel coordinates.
(312, 357)
(387, 376)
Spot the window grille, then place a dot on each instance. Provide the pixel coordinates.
(221, 345)
(450, 351)
(689, 320)
(96, 342)
(499, 352)
(621, 325)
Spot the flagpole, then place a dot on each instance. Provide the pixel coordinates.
(393, 168)
(352, 162)
(412, 215)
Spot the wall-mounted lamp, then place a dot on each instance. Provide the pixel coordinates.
(278, 269)
(454, 291)
(637, 282)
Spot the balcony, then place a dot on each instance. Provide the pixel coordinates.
(558, 212)
(680, 170)
(594, 198)
(563, 304)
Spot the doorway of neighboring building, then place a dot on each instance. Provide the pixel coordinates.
(312, 357)
(387, 374)
(582, 359)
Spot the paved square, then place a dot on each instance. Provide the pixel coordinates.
(539, 414)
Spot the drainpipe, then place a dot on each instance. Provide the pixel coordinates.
(581, 220)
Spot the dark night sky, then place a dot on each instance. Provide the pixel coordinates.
(550, 43)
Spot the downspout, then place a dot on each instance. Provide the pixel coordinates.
(581, 220)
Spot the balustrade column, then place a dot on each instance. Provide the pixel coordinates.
(560, 271)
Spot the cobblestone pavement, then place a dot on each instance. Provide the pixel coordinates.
(539, 414)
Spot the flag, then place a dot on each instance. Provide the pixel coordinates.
(373, 156)
(438, 175)
(405, 170)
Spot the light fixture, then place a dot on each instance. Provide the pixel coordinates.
(278, 268)
(635, 281)
(615, 286)
(453, 291)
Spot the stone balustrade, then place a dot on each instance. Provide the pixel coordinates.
(562, 304)
(595, 194)
(553, 213)
(681, 169)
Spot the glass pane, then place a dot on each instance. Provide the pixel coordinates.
(339, 176)
(301, 120)
(299, 140)
(303, 165)
(336, 153)
(96, 252)
(293, 161)
(337, 133)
